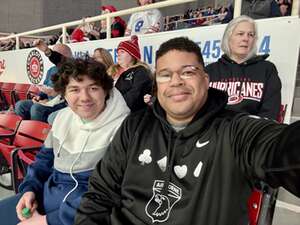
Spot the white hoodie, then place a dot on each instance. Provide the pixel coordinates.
(79, 146)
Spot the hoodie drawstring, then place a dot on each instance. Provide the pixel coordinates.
(73, 164)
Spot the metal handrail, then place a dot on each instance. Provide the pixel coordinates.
(107, 17)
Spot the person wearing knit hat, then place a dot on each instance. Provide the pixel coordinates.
(131, 47)
(118, 25)
(132, 77)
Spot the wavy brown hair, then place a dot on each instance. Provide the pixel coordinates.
(77, 69)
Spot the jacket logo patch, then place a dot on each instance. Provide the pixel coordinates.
(162, 163)
(200, 145)
(129, 76)
(198, 169)
(145, 157)
(180, 171)
(160, 205)
(235, 99)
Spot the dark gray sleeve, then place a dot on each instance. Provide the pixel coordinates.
(268, 151)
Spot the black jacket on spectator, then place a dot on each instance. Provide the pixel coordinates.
(133, 84)
(253, 86)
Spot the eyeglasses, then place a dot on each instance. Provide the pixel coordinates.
(186, 72)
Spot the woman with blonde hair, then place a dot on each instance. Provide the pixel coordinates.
(103, 56)
(131, 76)
(251, 82)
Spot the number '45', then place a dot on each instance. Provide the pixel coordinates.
(212, 50)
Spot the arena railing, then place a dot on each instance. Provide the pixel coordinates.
(209, 20)
(106, 17)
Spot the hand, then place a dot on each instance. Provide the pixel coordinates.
(36, 99)
(47, 90)
(147, 99)
(28, 201)
(41, 45)
(35, 219)
(43, 101)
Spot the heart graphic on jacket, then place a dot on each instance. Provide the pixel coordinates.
(180, 171)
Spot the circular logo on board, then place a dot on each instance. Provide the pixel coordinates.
(35, 66)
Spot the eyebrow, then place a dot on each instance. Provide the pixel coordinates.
(76, 86)
(167, 69)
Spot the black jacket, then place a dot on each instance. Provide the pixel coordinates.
(133, 84)
(200, 175)
(253, 86)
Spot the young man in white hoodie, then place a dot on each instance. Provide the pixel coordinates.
(79, 138)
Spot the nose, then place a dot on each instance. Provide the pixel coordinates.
(176, 80)
(85, 95)
(246, 37)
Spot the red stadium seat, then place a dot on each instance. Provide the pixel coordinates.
(20, 92)
(8, 127)
(6, 92)
(30, 134)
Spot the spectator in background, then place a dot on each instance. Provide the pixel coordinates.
(41, 106)
(118, 25)
(251, 82)
(149, 21)
(256, 9)
(80, 33)
(79, 137)
(285, 7)
(103, 56)
(9, 44)
(131, 76)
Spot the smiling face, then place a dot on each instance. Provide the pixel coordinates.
(184, 95)
(85, 98)
(241, 41)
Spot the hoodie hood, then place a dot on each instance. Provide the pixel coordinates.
(226, 60)
(216, 101)
(86, 143)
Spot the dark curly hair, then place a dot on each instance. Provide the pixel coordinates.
(77, 69)
(180, 44)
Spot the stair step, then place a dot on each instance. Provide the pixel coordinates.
(294, 119)
(296, 107)
(297, 92)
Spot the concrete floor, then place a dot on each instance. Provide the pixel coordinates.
(287, 210)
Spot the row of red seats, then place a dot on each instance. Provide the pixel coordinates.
(10, 93)
(19, 142)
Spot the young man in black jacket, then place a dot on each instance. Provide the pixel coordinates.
(188, 160)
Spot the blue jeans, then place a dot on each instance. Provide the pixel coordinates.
(8, 212)
(29, 110)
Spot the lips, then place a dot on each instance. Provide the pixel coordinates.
(178, 95)
(86, 106)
